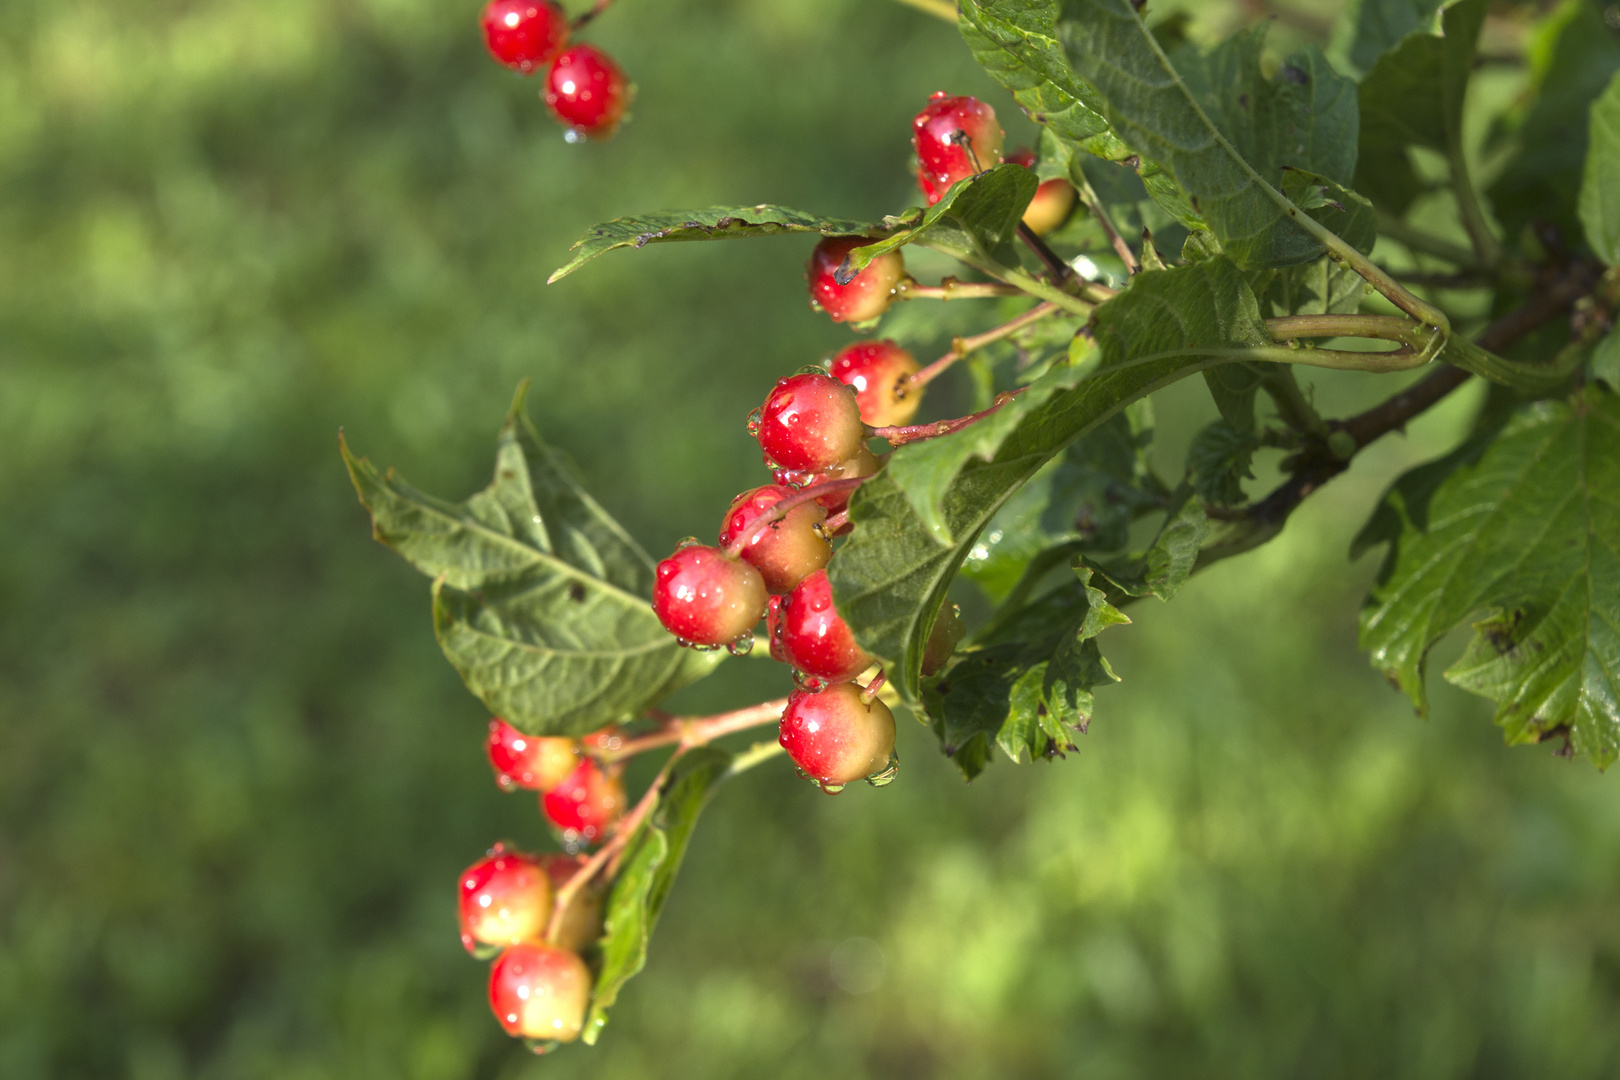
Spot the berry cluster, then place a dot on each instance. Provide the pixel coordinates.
(539, 986)
(585, 90)
(955, 137)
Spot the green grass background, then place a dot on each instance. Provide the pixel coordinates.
(237, 780)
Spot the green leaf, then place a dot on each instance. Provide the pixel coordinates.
(1606, 360)
(652, 856)
(974, 221)
(1413, 96)
(1224, 130)
(1319, 288)
(1381, 24)
(1525, 528)
(1600, 182)
(1166, 565)
(1030, 686)
(1219, 461)
(539, 597)
(715, 223)
(892, 574)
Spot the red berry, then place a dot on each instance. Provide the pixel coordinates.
(527, 761)
(836, 735)
(954, 137)
(581, 921)
(773, 629)
(1053, 200)
(783, 551)
(810, 422)
(862, 465)
(540, 992)
(586, 804)
(816, 640)
(505, 898)
(705, 597)
(878, 371)
(525, 34)
(587, 91)
(867, 295)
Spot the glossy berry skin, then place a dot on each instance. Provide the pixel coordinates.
(954, 137)
(525, 35)
(527, 761)
(877, 371)
(540, 992)
(505, 898)
(784, 551)
(835, 736)
(587, 91)
(814, 638)
(867, 295)
(705, 597)
(586, 804)
(810, 422)
(773, 629)
(581, 921)
(862, 465)
(1053, 202)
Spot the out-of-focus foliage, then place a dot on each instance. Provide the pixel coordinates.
(237, 778)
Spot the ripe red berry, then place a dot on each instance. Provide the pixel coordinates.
(954, 137)
(586, 804)
(527, 761)
(783, 551)
(836, 735)
(810, 422)
(878, 371)
(525, 34)
(505, 898)
(540, 992)
(862, 465)
(816, 640)
(581, 921)
(867, 295)
(587, 91)
(1053, 202)
(705, 597)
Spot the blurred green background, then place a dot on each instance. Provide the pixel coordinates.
(237, 780)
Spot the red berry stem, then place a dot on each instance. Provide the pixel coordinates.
(835, 522)
(1089, 198)
(597, 8)
(952, 289)
(1060, 270)
(962, 346)
(690, 731)
(910, 433)
(781, 510)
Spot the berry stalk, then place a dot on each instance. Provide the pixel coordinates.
(696, 731)
(782, 509)
(910, 433)
(963, 346)
(952, 289)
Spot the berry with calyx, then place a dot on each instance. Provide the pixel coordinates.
(1053, 202)
(859, 467)
(525, 35)
(580, 923)
(948, 632)
(837, 734)
(867, 295)
(783, 551)
(540, 992)
(586, 804)
(880, 373)
(707, 598)
(587, 91)
(528, 761)
(954, 137)
(505, 898)
(814, 638)
(810, 422)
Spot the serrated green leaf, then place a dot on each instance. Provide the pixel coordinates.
(1600, 181)
(540, 597)
(891, 576)
(1381, 24)
(1218, 461)
(1319, 288)
(1224, 130)
(651, 859)
(1166, 565)
(1030, 686)
(1529, 533)
(713, 223)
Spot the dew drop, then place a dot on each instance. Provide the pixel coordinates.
(890, 771)
(755, 418)
(704, 648)
(810, 684)
(742, 644)
(811, 369)
(686, 542)
(830, 789)
(683, 643)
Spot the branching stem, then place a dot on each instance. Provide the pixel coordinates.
(584, 20)
(910, 433)
(963, 346)
(1088, 195)
(952, 289)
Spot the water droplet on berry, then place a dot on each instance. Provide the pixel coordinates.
(686, 542)
(742, 645)
(830, 789)
(811, 684)
(755, 418)
(812, 369)
(890, 771)
(538, 1046)
(498, 848)
(683, 643)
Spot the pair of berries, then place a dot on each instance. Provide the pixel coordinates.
(537, 989)
(585, 89)
(956, 137)
(577, 794)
